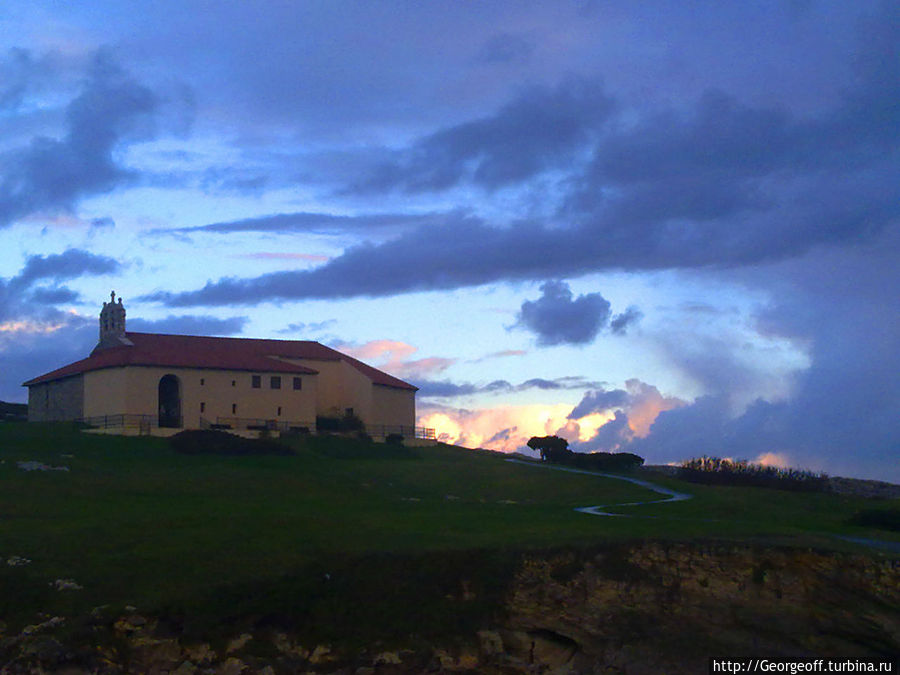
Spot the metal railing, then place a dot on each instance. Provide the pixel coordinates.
(385, 430)
(147, 422)
(128, 421)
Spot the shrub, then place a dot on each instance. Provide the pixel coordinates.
(717, 471)
(607, 461)
(213, 442)
(338, 424)
(394, 439)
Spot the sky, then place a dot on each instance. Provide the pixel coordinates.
(668, 228)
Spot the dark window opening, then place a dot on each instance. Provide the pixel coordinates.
(279, 411)
(298, 384)
(256, 381)
(234, 383)
(202, 381)
(275, 382)
(233, 408)
(348, 412)
(202, 406)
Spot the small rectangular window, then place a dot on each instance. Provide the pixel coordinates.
(202, 381)
(233, 408)
(279, 411)
(234, 383)
(256, 381)
(298, 384)
(275, 382)
(202, 406)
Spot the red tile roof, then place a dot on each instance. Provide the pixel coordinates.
(191, 351)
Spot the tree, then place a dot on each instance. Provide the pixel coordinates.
(552, 448)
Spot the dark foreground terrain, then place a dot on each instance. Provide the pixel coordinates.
(122, 555)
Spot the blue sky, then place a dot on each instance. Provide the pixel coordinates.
(666, 228)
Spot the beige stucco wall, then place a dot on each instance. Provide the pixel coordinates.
(135, 390)
(106, 392)
(56, 401)
(341, 386)
(392, 406)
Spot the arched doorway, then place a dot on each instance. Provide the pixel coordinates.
(169, 401)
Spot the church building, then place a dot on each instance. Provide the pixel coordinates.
(155, 383)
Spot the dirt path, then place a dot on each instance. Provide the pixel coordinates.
(671, 495)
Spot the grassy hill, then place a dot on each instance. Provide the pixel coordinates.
(211, 539)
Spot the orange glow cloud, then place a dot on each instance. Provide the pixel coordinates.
(393, 356)
(505, 428)
(646, 404)
(25, 326)
(777, 459)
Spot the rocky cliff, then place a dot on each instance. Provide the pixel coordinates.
(633, 608)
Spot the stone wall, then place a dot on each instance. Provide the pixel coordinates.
(57, 401)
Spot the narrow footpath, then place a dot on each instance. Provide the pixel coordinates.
(671, 495)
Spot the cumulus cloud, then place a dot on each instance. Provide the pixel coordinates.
(634, 409)
(841, 413)
(474, 428)
(51, 174)
(600, 401)
(558, 318)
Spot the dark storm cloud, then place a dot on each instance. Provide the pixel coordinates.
(53, 296)
(446, 389)
(25, 356)
(558, 318)
(52, 174)
(21, 296)
(190, 325)
(600, 401)
(70, 264)
(620, 322)
(720, 183)
(539, 130)
(842, 412)
(319, 223)
(20, 72)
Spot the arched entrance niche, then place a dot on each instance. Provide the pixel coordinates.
(170, 401)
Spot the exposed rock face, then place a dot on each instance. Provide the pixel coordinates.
(667, 608)
(645, 608)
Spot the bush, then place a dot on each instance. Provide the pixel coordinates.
(607, 461)
(394, 439)
(339, 424)
(213, 442)
(716, 471)
(882, 519)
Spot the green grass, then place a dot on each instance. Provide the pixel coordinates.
(209, 536)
